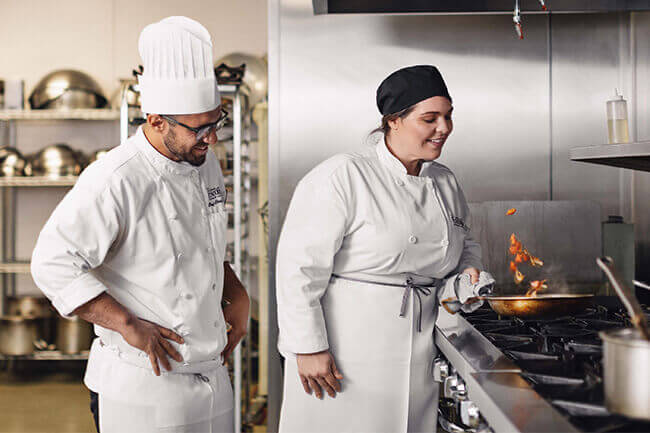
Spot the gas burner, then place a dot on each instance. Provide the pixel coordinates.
(527, 356)
(584, 348)
(599, 324)
(575, 408)
(562, 360)
(564, 331)
(491, 327)
(547, 379)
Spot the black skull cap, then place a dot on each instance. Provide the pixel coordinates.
(408, 86)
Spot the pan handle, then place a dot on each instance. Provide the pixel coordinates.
(453, 305)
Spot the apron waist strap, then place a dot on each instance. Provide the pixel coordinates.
(409, 286)
(129, 357)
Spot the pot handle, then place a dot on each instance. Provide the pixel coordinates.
(627, 296)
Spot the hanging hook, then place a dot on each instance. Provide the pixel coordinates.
(516, 18)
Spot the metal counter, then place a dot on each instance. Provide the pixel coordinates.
(506, 401)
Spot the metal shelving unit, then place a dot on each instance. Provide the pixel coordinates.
(238, 183)
(9, 265)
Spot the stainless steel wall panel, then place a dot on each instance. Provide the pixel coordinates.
(331, 66)
(641, 195)
(585, 71)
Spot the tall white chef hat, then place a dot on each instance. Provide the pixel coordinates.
(178, 73)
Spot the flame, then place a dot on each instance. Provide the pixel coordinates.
(536, 286)
(519, 277)
(523, 256)
(511, 211)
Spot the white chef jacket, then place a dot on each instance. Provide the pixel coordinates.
(361, 215)
(151, 232)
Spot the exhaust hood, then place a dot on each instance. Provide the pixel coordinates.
(453, 7)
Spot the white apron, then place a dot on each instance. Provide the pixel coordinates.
(386, 363)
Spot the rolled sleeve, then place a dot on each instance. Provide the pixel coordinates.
(83, 289)
(311, 236)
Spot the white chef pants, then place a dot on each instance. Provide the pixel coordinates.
(120, 417)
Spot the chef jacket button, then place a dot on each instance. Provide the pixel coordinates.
(413, 239)
(179, 256)
(216, 324)
(444, 243)
(187, 296)
(209, 249)
(399, 182)
(214, 286)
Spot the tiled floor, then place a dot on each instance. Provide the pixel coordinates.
(53, 404)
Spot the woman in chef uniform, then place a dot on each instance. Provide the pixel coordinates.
(368, 240)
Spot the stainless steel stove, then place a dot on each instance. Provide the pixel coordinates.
(527, 376)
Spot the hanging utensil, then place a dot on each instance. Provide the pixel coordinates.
(638, 318)
(516, 18)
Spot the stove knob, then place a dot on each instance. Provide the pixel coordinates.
(453, 384)
(440, 370)
(469, 413)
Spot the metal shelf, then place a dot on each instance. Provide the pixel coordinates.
(635, 156)
(15, 268)
(47, 355)
(72, 114)
(37, 181)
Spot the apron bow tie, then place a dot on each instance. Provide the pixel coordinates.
(418, 291)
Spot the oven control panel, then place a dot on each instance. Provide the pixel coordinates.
(456, 412)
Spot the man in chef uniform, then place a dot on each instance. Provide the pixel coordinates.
(137, 247)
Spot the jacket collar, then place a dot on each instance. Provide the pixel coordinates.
(160, 161)
(390, 161)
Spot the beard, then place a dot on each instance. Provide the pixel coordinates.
(174, 147)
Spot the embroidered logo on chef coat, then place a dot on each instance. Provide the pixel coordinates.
(216, 195)
(458, 222)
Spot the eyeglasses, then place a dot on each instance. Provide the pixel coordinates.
(202, 131)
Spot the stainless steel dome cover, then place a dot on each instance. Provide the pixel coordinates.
(54, 161)
(12, 162)
(67, 89)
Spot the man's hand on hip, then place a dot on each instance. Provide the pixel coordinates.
(235, 310)
(236, 315)
(153, 339)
